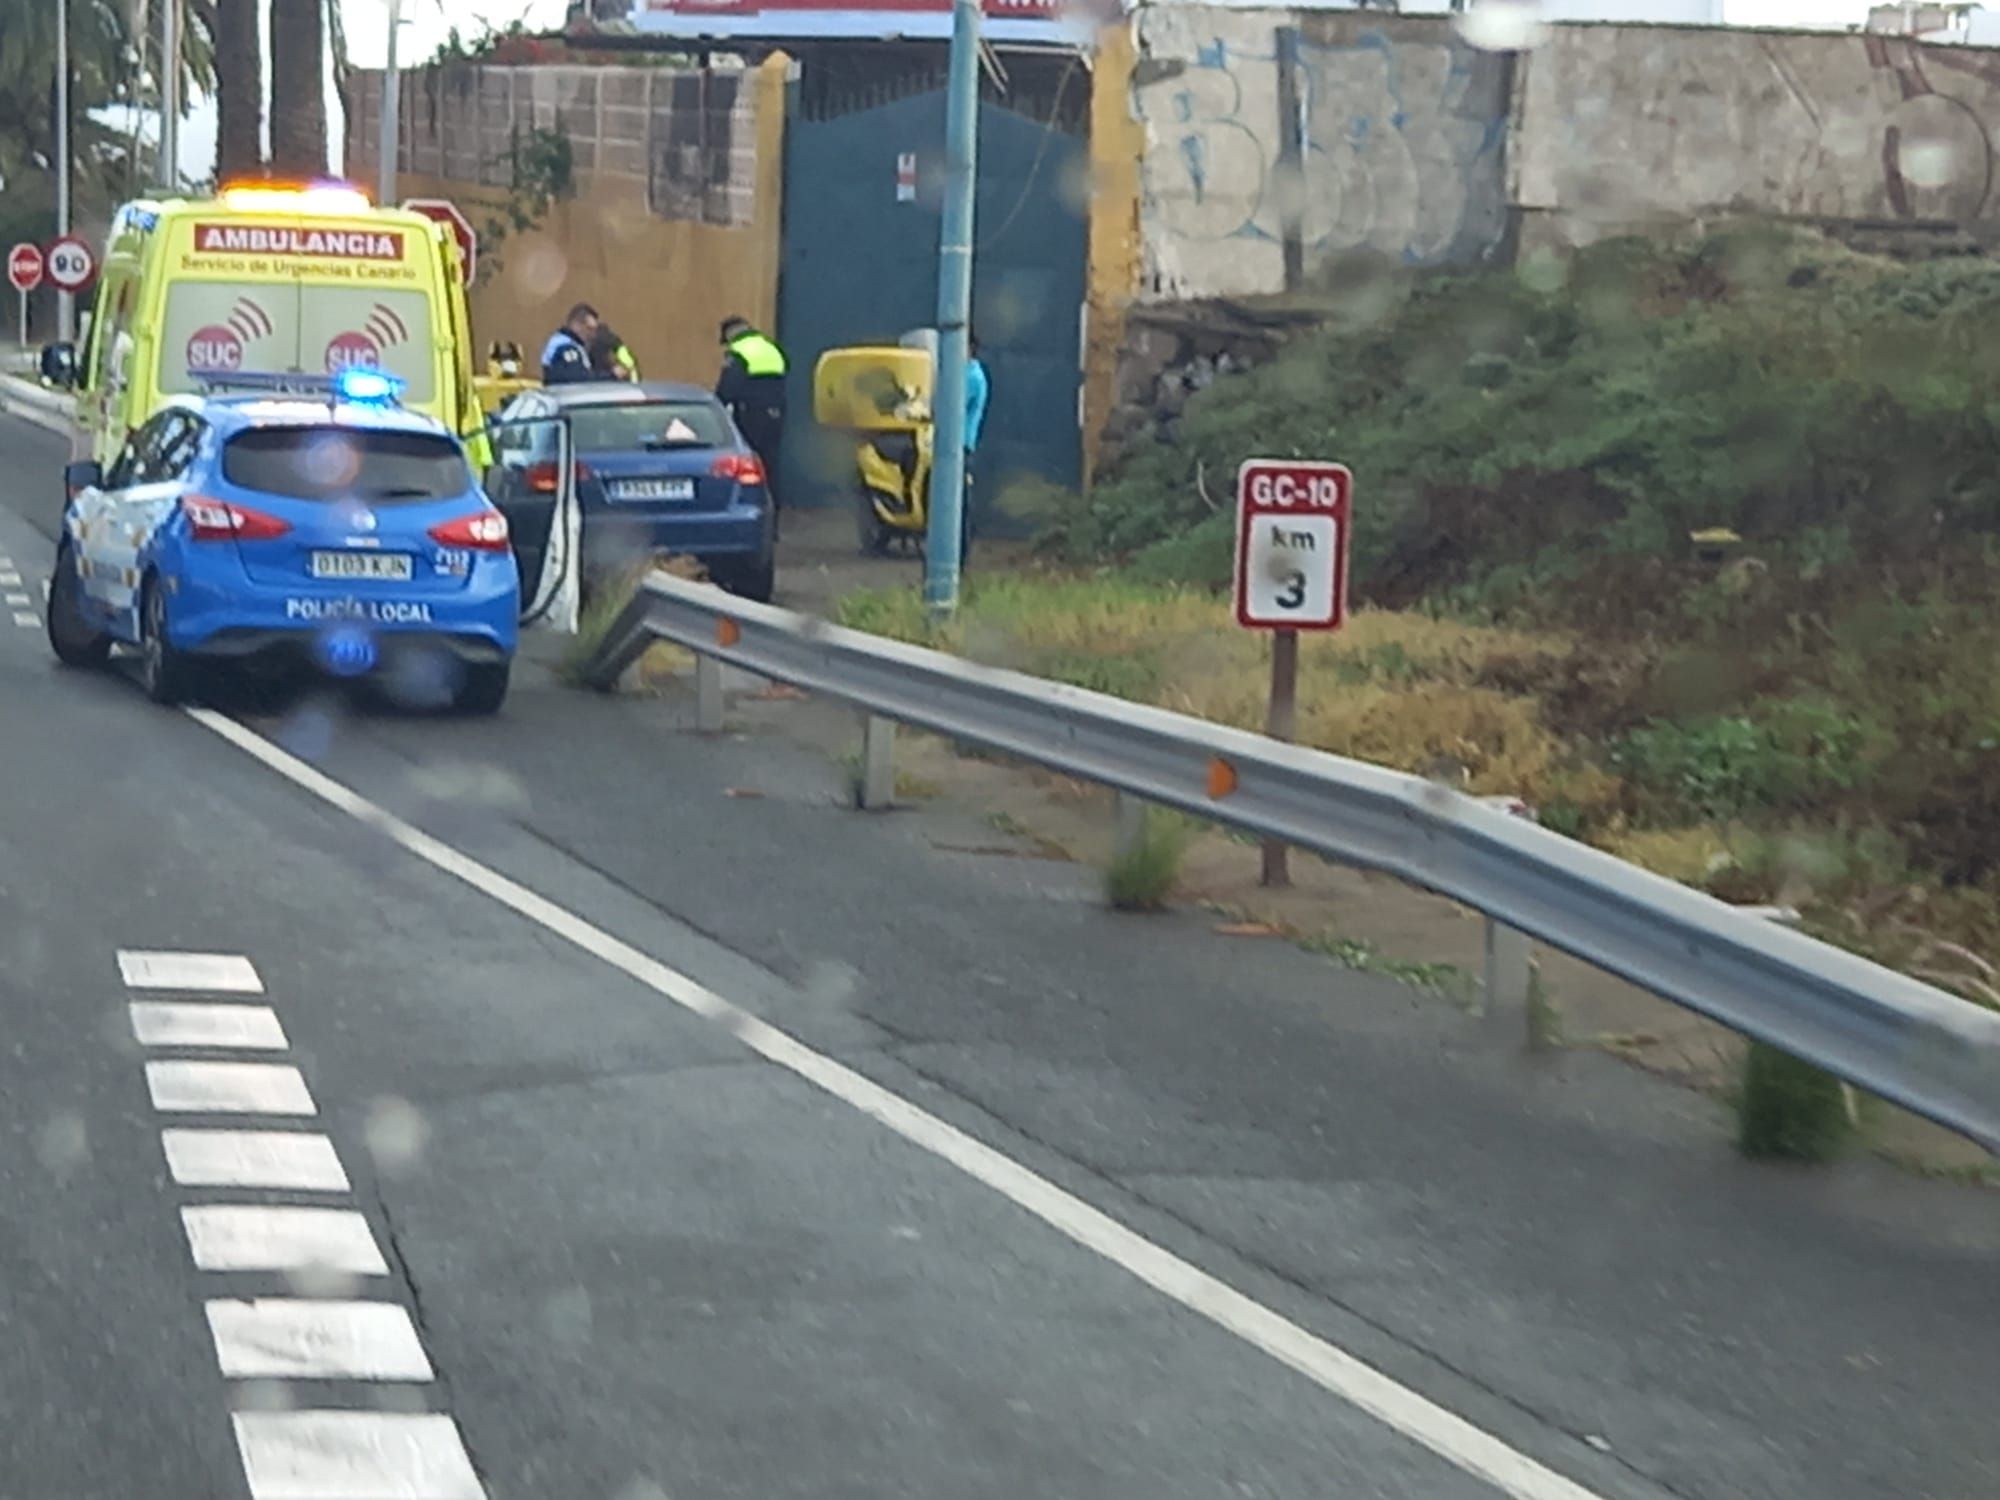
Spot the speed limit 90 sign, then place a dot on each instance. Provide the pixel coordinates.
(1292, 534)
(72, 264)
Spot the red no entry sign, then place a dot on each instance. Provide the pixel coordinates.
(25, 268)
(453, 218)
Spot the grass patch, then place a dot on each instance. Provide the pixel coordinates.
(1142, 877)
(608, 598)
(1788, 1110)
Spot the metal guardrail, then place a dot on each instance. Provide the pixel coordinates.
(1918, 1046)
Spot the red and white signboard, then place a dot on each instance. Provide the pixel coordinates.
(1292, 533)
(72, 264)
(448, 214)
(1045, 22)
(25, 266)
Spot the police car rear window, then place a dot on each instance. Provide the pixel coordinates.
(339, 463)
(638, 426)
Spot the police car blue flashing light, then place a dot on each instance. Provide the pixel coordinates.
(363, 387)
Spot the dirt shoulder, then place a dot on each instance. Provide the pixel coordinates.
(1357, 919)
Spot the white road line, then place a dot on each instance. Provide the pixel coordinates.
(192, 973)
(228, 1088)
(9, 578)
(255, 1028)
(298, 1161)
(19, 599)
(1332, 1368)
(26, 621)
(342, 1455)
(242, 1237)
(280, 1338)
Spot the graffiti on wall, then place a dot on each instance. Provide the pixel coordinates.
(1402, 144)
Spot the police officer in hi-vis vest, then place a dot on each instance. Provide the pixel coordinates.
(752, 386)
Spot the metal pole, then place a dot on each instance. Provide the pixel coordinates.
(392, 110)
(65, 303)
(961, 145)
(1281, 724)
(170, 95)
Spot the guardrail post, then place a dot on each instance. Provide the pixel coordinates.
(1510, 972)
(1510, 994)
(707, 694)
(878, 763)
(1131, 826)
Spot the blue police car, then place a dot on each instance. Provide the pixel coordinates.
(294, 525)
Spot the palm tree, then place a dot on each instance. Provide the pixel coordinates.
(236, 26)
(106, 67)
(298, 88)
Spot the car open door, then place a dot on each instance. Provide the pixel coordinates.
(533, 482)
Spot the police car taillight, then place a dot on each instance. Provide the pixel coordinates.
(482, 531)
(218, 521)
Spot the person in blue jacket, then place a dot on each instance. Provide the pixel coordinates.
(977, 389)
(566, 356)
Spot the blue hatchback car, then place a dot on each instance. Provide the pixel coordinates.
(335, 531)
(656, 467)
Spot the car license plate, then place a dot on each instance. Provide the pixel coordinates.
(653, 489)
(393, 567)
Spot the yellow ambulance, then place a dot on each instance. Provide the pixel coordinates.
(270, 281)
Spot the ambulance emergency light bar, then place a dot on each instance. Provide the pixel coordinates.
(357, 387)
(330, 198)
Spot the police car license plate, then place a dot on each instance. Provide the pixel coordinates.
(393, 567)
(653, 489)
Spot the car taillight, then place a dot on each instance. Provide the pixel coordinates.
(482, 531)
(219, 521)
(744, 468)
(541, 478)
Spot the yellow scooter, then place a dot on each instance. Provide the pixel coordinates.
(882, 395)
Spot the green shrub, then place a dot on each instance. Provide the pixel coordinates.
(1790, 1110)
(1142, 877)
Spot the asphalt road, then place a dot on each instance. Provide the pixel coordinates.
(644, 1245)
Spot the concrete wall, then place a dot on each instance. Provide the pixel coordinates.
(674, 217)
(1623, 128)
(1404, 131)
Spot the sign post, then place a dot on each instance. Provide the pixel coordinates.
(1292, 542)
(25, 268)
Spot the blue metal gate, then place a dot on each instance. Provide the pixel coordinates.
(859, 266)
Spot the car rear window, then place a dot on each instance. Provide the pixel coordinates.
(639, 425)
(338, 463)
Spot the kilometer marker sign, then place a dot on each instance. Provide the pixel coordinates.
(1292, 535)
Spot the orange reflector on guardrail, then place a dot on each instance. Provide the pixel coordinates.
(727, 632)
(1221, 779)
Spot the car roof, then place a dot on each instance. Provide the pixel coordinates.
(622, 393)
(236, 413)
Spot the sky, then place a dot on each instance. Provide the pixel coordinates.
(427, 22)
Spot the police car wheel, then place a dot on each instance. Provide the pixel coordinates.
(70, 636)
(484, 689)
(163, 671)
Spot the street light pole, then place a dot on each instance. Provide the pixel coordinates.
(961, 145)
(170, 95)
(392, 110)
(65, 303)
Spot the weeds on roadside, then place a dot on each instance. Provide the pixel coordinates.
(1789, 1110)
(607, 601)
(1353, 953)
(1141, 877)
